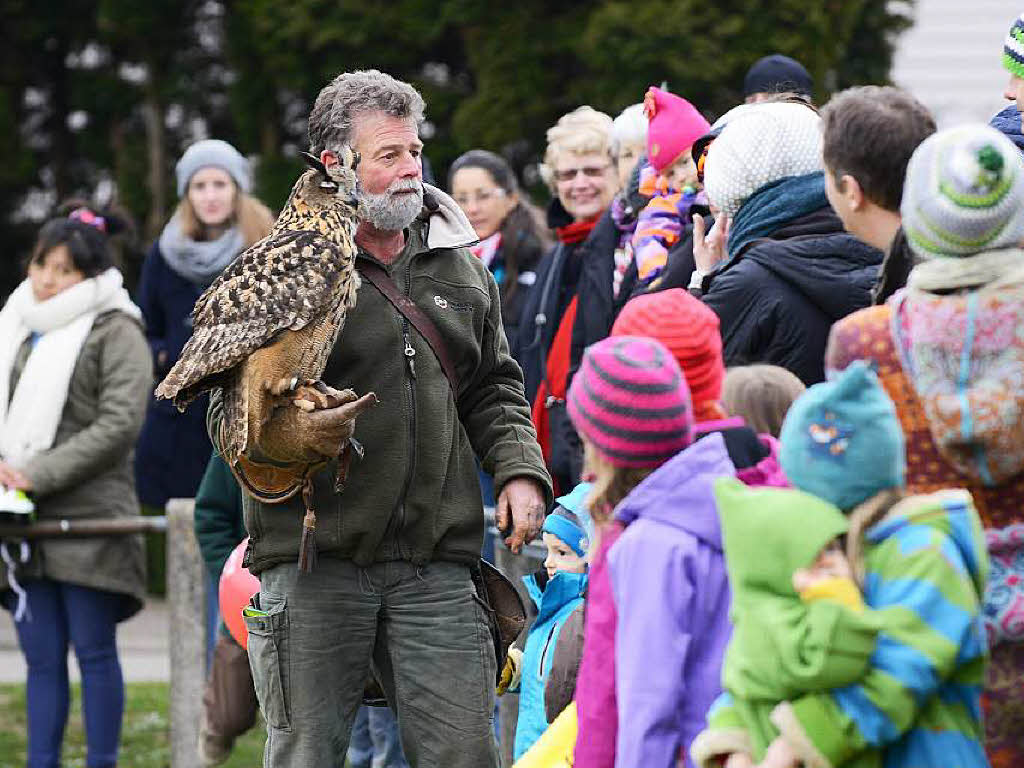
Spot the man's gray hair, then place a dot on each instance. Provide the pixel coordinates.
(352, 93)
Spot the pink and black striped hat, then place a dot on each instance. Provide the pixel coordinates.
(630, 400)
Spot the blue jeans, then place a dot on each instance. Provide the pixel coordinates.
(60, 614)
(374, 742)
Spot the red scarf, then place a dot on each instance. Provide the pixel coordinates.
(578, 231)
(557, 374)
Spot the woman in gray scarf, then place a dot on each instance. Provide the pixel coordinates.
(215, 221)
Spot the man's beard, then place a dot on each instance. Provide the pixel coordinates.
(390, 212)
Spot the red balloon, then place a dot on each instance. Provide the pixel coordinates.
(237, 586)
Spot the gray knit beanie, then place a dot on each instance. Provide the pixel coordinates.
(217, 154)
(964, 193)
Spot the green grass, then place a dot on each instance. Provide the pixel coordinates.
(144, 735)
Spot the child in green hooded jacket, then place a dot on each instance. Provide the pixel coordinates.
(799, 621)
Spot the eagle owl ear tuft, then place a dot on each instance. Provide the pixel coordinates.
(314, 162)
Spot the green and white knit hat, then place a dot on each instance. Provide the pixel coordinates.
(1013, 48)
(964, 193)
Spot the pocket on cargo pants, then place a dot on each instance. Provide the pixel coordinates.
(268, 658)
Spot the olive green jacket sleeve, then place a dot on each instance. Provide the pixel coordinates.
(117, 354)
(495, 413)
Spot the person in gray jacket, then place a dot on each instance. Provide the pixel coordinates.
(75, 374)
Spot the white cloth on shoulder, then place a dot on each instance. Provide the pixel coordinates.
(29, 418)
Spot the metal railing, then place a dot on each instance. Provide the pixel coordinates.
(186, 589)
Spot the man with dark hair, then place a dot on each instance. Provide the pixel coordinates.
(869, 135)
(776, 75)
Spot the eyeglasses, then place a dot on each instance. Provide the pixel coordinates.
(480, 197)
(590, 171)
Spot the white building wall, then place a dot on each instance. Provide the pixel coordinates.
(951, 59)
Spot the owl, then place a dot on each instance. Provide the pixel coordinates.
(262, 332)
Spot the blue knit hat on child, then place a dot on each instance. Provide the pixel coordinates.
(570, 521)
(841, 440)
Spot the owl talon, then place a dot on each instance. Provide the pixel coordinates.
(281, 386)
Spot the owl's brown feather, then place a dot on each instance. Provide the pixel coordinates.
(274, 313)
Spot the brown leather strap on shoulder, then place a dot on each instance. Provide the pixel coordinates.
(423, 324)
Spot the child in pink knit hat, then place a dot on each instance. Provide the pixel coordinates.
(674, 126)
(657, 616)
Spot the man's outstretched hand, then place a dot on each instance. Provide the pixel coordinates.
(520, 512)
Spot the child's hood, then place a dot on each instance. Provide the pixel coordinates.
(560, 590)
(679, 492)
(951, 513)
(767, 471)
(768, 533)
(756, 457)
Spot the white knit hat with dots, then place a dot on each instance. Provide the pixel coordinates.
(764, 144)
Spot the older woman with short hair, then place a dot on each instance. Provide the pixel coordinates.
(579, 170)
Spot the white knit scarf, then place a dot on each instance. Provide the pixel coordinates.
(29, 418)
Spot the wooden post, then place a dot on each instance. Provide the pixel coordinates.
(515, 567)
(186, 598)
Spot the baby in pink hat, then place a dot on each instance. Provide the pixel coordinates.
(674, 124)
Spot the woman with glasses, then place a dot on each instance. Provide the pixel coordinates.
(512, 238)
(579, 170)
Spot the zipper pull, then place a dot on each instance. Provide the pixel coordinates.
(410, 353)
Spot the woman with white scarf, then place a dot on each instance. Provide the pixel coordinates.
(74, 378)
(215, 221)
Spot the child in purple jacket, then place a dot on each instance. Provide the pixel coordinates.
(631, 406)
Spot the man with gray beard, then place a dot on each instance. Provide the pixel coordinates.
(394, 583)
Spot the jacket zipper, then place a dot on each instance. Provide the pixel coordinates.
(409, 353)
(544, 652)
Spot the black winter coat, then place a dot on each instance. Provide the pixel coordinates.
(597, 307)
(516, 294)
(778, 299)
(559, 277)
(895, 269)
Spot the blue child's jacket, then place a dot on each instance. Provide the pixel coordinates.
(562, 595)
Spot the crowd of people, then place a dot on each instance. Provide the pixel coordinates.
(757, 384)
